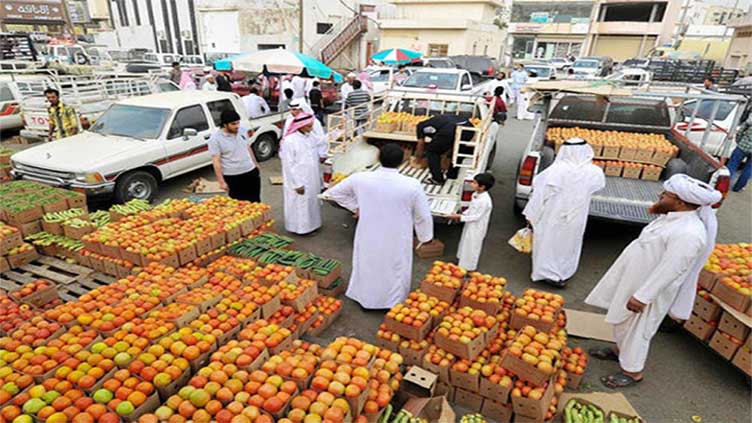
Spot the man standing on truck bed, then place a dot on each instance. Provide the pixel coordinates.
(656, 274)
(441, 129)
(558, 211)
(63, 119)
(232, 157)
(389, 206)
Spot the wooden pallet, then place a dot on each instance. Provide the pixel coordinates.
(50, 268)
(83, 285)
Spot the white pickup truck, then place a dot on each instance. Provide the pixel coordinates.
(138, 143)
(354, 145)
(446, 81)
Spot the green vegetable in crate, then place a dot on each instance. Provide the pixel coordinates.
(325, 267)
(62, 216)
(473, 418)
(100, 218)
(132, 207)
(387, 413)
(577, 412)
(405, 416)
(77, 223)
(618, 419)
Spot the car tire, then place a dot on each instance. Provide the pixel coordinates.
(137, 184)
(265, 147)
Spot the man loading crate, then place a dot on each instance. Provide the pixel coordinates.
(441, 129)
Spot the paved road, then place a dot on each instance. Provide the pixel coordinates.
(683, 378)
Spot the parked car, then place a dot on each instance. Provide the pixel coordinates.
(560, 63)
(444, 81)
(382, 77)
(439, 62)
(631, 76)
(482, 65)
(635, 62)
(71, 54)
(540, 72)
(139, 142)
(590, 67)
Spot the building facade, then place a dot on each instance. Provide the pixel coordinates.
(739, 54)
(49, 18)
(445, 27)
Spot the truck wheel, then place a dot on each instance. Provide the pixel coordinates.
(137, 184)
(265, 147)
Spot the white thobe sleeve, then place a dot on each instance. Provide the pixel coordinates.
(681, 253)
(422, 219)
(344, 194)
(474, 212)
(535, 204)
(292, 161)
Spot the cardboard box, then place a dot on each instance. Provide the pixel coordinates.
(534, 409)
(491, 309)
(644, 154)
(203, 246)
(731, 296)
(10, 242)
(41, 298)
(187, 255)
(217, 240)
(723, 345)
(432, 250)
(518, 322)
(419, 382)
(270, 307)
(699, 327)
(628, 153)
(338, 288)
(25, 216)
(661, 158)
(494, 391)
(434, 409)
(52, 227)
(707, 279)
(524, 371)
(301, 301)
(76, 200)
(444, 389)
(497, 411)
(412, 357)
(631, 172)
(467, 399)
(30, 228)
(4, 265)
(441, 372)
(408, 331)
(232, 234)
(441, 292)
(651, 173)
(613, 169)
(707, 310)
(20, 259)
(77, 233)
(468, 351)
(573, 380)
(465, 381)
(610, 152)
(743, 360)
(730, 325)
(173, 388)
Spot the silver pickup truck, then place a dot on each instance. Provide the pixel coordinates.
(623, 199)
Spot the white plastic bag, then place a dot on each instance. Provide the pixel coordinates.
(522, 240)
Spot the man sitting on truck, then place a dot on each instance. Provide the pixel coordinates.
(63, 119)
(442, 130)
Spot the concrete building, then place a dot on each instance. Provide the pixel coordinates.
(444, 27)
(740, 49)
(54, 17)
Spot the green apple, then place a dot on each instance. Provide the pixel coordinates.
(102, 396)
(33, 406)
(124, 408)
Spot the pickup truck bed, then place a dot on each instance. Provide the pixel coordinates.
(625, 199)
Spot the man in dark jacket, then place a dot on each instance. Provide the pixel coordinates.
(223, 81)
(441, 129)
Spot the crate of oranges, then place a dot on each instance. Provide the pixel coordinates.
(483, 292)
(408, 322)
(533, 355)
(443, 281)
(536, 308)
(466, 332)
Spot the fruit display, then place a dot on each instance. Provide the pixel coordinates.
(188, 344)
(439, 357)
(595, 137)
(12, 314)
(447, 275)
(409, 315)
(312, 406)
(297, 294)
(121, 347)
(124, 392)
(340, 379)
(215, 322)
(30, 288)
(538, 349)
(424, 302)
(12, 383)
(536, 306)
(35, 332)
(465, 324)
(484, 288)
(328, 307)
(731, 259)
(474, 418)
(51, 405)
(91, 368)
(235, 266)
(575, 360)
(158, 366)
(240, 353)
(579, 412)
(270, 334)
(523, 389)
(292, 366)
(350, 351)
(199, 296)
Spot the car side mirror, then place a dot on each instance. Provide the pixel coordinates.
(188, 133)
(466, 87)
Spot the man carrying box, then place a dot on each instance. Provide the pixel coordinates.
(656, 274)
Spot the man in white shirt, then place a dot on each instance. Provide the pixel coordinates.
(255, 105)
(346, 88)
(233, 160)
(210, 84)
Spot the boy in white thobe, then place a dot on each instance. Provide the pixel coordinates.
(301, 176)
(656, 274)
(558, 211)
(476, 219)
(389, 206)
(519, 78)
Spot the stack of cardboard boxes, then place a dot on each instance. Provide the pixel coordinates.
(23, 203)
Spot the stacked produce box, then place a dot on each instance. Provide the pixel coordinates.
(5, 163)
(23, 203)
(722, 314)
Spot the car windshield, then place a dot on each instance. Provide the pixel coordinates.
(380, 76)
(586, 64)
(706, 109)
(538, 71)
(442, 81)
(132, 121)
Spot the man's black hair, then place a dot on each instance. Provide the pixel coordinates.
(253, 90)
(391, 156)
(228, 116)
(503, 75)
(711, 79)
(357, 84)
(402, 66)
(499, 91)
(315, 83)
(486, 180)
(175, 64)
(289, 92)
(52, 91)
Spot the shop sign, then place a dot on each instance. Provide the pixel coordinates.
(36, 11)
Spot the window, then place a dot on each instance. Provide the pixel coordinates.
(216, 108)
(435, 50)
(188, 117)
(465, 81)
(5, 93)
(637, 12)
(132, 121)
(578, 108)
(559, 12)
(188, 46)
(380, 76)
(706, 109)
(323, 27)
(269, 46)
(653, 114)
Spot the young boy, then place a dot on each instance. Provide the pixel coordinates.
(476, 219)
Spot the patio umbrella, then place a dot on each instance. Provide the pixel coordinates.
(226, 63)
(281, 61)
(397, 56)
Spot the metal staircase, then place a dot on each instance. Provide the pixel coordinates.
(339, 37)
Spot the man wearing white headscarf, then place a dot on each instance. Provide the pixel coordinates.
(299, 106)
(558, 211)
(301, 178)
(656, 274)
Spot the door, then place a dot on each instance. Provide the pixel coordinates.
(187, 153)
(220, 31)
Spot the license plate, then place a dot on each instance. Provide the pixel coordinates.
(38, 120)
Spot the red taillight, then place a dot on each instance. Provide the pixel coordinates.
(327, 172)
(467, 190)
(327, 177)
(491, 70)
(722, 184)
(527, 170)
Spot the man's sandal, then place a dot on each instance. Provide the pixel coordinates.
(607, 353)
(619, 380)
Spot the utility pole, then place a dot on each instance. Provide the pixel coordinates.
(300, 26)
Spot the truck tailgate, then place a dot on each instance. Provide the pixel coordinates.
(442, 198)
(626, 199)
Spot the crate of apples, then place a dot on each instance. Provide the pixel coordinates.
(284, 317)
(424, 302)
(275, 338)
(223, 282)
(734, 290)
(329, 307)
(73, 340)
(35, 332)
(12, 383)
(535, 401)
(296, 367)
(246, 355)
(165, 371)
(149, 328)
(271, 274)
(54, 406)
(305, 319)
(271, 394)
(178, 314)
(483, 292)
(496, 382)
(222, 325)
(387, 339)
(121, 347)
(298, 294)
(127, 394)
(312, 406)
(235, 266)
(533, 355)
(438, 361)
(466, 332)
(91, 370)
(189, 344)
(204, 298)
(79, 312)
(350, 351)
(413, 351)
(443, 281)
(409, 322)
(13, 315)
(238, 308)
(266, 297)
(343, 380)
(536, 308)
(575, 362)
(37, 293)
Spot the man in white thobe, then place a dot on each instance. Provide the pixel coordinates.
(558, 210)
(656, 274)
(519, 78)
(476, 219)
(299, 106)
(299, 86)
(390, 206)
(301, 176)
(255, 105)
